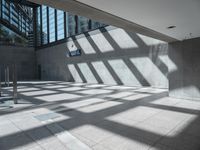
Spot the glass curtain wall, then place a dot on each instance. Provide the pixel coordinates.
(16, 23)
(8, 37)
(18, 17)
(54, 25)
(51, 24)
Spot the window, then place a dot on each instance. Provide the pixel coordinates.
(55, 25)
(23, 24)
(1, 7)
(60, 25)
(5, 10)
(9, 37)
(38, 26)
(14, 15)
(28, 28)
(71, 25)
(44, 25)
(20, 22)
(83, 24)
(51, 25)
(95, 24)
(17, 18)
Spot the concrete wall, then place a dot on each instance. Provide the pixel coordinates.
(184, 75)
(114, 56)
(110, 56)
(22, 56)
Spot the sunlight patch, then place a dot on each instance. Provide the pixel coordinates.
(102, 43)
(122, 39)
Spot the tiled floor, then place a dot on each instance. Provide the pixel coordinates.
(76, 116)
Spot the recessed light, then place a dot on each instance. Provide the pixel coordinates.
(171, 27)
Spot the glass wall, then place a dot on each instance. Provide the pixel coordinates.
(8, 37)
(51, 24)
(57, 25)
(16, 24)
(18, 17)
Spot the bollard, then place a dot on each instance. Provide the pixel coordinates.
(15, 84)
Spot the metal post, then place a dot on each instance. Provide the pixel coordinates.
(8, 81)
(35, 14)
(5, 75)
(15, 83)
(56, 25)
(0, 81)
(48, 39)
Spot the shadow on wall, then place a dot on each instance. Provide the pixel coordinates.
(113, 56)
(184, 79)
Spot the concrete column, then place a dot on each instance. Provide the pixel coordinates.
(15, 83)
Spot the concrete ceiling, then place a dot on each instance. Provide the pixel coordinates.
(148, 17)
(156, 14)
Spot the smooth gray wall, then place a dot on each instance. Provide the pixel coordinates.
(25, 59)
(110, 56)
(184, 76)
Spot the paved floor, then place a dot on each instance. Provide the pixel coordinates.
(76, 116)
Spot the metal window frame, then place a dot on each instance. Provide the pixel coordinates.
(41, 26)
(56, 28)
(90, 24)
(48, 36)
(35, 26)
(65, 25)
(76, 24)
(1, 9)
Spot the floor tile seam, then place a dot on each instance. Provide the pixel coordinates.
(55, 135)
(148, 143)
(109, 137)
(100, 141)
(95, 143)
(168, 134)
(169, 147)
(24, 132)
(150, 116)
(70, 134)
(100, 145)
